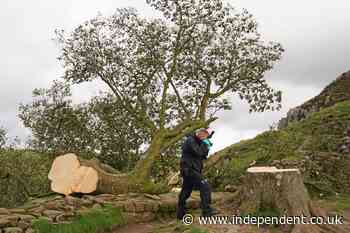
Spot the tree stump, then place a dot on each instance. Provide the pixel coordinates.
(283, 190)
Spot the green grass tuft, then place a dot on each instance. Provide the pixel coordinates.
(96, 220)
(339, 203)
(197, 230)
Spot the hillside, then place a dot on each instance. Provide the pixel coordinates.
(318, 144)
(335, 92)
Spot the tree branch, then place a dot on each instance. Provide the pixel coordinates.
(169, 75)
(204, 102)
(180, 133)
(140, 117)
(163, 103)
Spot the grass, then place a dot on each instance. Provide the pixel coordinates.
(197, 230)
(338, 203)
(97, 220)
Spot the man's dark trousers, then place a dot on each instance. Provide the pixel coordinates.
(191, 182)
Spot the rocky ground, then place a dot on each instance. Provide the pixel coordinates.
(58, 209)
(144, 213)
(168, 224)
(171, 225)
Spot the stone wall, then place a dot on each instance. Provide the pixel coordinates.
(60, 209)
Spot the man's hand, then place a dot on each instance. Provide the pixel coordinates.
(208, 143)
(197, 150)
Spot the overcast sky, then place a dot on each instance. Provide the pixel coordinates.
(315, 35)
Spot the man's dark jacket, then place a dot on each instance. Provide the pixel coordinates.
(194, 151)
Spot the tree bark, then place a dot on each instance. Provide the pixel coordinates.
(283, 190)
(142, 170)
(70, 174)
(100, 180)
(269, 187)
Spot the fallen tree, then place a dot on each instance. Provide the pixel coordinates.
(71, 174)
(172, 75)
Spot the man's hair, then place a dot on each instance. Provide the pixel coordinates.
(201, 130)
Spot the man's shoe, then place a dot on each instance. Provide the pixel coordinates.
(214, 211)
(180, 217)
(180, 213)
(211, 212)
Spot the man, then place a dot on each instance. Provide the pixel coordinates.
(195, 149)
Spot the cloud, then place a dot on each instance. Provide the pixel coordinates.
(237, 124)
(313, 33)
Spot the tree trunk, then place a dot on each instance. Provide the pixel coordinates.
(71, 174)
(142, 170)
(269, 187)
(88, 176)
(282, 191)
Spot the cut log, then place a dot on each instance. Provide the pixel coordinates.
(71, 174)
(282, 190)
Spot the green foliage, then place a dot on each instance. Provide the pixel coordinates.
(317, 137)
(155, 188)
(95, 221)
(56, 126)
(98, 128)
(167, 163)
(198, 230)
(23, 174)
(2, 137)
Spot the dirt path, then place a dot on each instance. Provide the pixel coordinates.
(136, 228)
(170, 225)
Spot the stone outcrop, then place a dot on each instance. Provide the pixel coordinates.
(335, 92)
(136, 207)
(344, 146)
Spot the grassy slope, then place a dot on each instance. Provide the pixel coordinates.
(316, 137)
